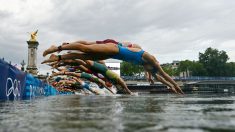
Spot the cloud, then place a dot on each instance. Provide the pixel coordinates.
(170, 30)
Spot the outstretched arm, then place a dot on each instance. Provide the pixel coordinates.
(122, 83)
(148, 75)
(150, 78)
(162, 80)
(155, 64)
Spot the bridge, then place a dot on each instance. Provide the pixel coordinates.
(188, 84)
(176, 78)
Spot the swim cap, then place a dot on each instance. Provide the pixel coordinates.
(58, 79)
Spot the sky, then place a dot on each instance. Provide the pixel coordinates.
(168, 29)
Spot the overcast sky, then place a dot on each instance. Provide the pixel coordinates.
(168, 29)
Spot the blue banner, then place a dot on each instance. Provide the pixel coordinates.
(15, 84)
(35, 87)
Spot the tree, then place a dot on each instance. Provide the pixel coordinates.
(184, 65)
(194, 67)
(129, 69)
(214, 61)
(170, 71)
(230, 69)
(197, 69)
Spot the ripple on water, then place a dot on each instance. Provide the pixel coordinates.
(143, 113)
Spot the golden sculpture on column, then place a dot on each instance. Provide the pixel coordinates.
(33, 36)
(32, 53)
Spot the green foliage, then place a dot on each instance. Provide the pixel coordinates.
(185, 65)
(214, 61)
(197, 69)
(194, 67)
(230, 69)
(129, 69)
(171, 71)
(211, 63)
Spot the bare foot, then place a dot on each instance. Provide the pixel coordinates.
(52, 58)
(50, 50)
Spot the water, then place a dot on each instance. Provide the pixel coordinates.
(143, 113)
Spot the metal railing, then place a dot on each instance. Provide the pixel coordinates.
(192, 78)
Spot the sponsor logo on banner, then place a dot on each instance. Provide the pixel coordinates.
(13, 87)
(36, 90)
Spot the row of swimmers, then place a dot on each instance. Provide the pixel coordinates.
(95, 72)
(87, 57)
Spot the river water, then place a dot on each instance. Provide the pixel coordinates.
(143, 113)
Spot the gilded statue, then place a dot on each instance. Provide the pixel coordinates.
(33, 36)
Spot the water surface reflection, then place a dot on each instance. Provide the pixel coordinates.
(143, 113)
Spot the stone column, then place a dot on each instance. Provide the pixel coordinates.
(32, 57)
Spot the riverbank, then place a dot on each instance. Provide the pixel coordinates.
(209, 86)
